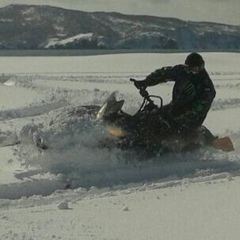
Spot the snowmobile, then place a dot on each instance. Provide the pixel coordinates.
(149, 131)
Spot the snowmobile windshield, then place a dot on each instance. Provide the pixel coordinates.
(110, 106)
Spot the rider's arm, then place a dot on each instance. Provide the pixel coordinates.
(208, 93)
(160, 75)
(203, 102)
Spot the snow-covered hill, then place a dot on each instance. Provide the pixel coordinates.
(39, 27)
(112, 194)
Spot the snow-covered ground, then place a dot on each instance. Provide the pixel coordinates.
(113, 195)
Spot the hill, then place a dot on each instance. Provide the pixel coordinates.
(45, 27)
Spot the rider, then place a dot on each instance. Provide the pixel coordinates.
(192, 95)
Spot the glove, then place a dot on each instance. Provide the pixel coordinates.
(140, 84)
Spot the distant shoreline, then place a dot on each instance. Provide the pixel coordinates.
(89, 52)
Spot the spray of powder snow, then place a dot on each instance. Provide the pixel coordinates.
(75, 153)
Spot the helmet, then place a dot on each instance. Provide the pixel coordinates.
(194, 60)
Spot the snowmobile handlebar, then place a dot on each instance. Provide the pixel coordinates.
(144, 93)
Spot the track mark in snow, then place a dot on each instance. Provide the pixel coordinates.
(32, 110)
(225, 104)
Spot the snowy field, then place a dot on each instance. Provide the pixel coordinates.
(113, 195)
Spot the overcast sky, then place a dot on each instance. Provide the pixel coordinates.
(221, 11)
